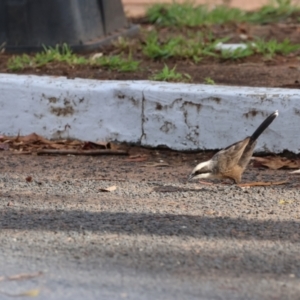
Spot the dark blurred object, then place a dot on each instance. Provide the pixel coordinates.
(27, 25)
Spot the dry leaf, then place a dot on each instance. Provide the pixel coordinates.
(75, 143)
(113, 146)
(109, 189)
(28, 178)
(137, 158)
(33, 143)
(32, 138)
(29, 293)
(99, 145)
(276, 162)
(94, 145)
(283, 202)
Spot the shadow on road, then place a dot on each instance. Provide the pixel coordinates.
(150, 223)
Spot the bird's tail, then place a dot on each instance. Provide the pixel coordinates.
(264, 125)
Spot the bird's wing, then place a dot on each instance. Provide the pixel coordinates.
(229, 157)
(247, 154)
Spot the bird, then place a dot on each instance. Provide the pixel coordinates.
(231, 162)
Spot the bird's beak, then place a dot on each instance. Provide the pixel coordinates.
(190, 177)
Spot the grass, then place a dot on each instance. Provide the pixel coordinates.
(63, 54)
(181, 42)
(167, 74)
(20, 62)
(266, 48)
(276, 11)
(196, 47)
(175, 14)
(187, 14)
(117, 63)
(191, 46)
(58, 53)
(272, 47)
(49, 54)
(210, 81)
(155, 49)
(187, 44)
(199, 46)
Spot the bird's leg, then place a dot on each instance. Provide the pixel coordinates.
(205, 182)
(232, 181)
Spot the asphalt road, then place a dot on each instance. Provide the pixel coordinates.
(153, 237)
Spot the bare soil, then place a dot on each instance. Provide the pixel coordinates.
(153, 237)
(281, 71)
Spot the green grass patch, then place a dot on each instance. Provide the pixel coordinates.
(266, 48)
(49, 54)
(199, 46)
(20, 62)
(208, 80)
(58, 54)
(155, 49)
(63, 54)
(117, 63)
(195, 47)
(272, 47)
(189, 14)
(276, 11)
(167, 74)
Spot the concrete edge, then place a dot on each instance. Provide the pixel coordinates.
(177, 115)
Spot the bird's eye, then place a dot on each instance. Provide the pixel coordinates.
(202, 171)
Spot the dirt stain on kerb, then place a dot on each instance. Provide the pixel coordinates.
(297, 111)
(62, 111)
(65, 110)
(52, 99)
(252, 113)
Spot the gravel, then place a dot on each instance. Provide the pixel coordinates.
(154, 237)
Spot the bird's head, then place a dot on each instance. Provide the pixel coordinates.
(202, 170)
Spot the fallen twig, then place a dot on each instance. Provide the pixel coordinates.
(295, 172)
(22, 152)
(24, 276)
(81, 152)
(260, 183)
(155, 165)
(109, 179)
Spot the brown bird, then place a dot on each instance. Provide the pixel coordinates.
(232, 161)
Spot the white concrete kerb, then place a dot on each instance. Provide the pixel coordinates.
(180, 116)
